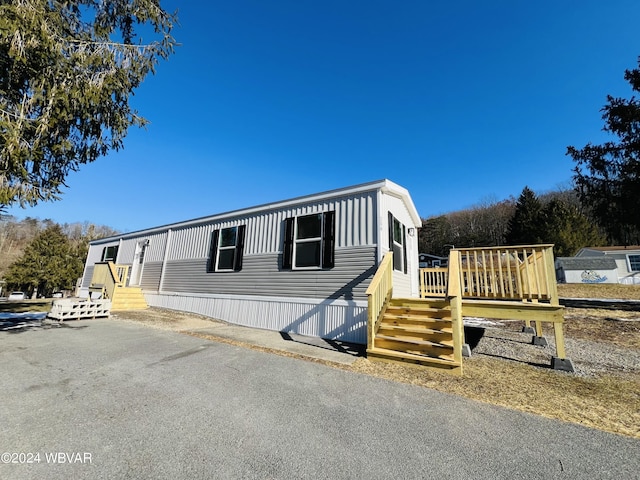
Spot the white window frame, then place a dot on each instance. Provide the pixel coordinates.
(115, 253)
(296, 241)
(228, 247)
(400, 246)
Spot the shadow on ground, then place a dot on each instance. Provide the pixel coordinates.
(353, 349)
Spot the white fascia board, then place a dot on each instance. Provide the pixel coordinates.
(386, 186)
(396, 190)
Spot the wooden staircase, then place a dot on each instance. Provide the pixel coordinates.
(128, 298)
(417, 331)
(109, 282)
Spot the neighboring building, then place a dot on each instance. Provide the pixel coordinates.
(601, 265)
(586, 270)
(426, 260)
(300, 265)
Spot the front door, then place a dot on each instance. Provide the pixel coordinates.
(138, 263)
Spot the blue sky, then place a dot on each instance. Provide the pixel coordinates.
(460, 102)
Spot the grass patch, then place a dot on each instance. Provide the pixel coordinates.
(26, 306)
(607, 403)
(600, 290)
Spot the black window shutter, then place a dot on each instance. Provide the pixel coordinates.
(404, 247)
(239, 249)
(287, 251)
(213, 250)
(329, 239)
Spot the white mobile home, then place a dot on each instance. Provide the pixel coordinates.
(627, 260)
(300, 265)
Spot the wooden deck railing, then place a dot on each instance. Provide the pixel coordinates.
(433, 282)
(107, 276)
(499, 273)
(378, 294)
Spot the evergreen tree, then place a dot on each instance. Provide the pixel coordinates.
(67, 71)
(568, 228)
(607, 176)
(526, 226)
(49, 263)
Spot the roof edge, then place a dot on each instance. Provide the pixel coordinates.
(387, 186)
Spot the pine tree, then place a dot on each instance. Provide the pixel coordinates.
(67, 71)
(49, 263)
(526, 226)
(568, 229)
(607, 176)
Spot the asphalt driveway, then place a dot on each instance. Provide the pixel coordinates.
(113, 399)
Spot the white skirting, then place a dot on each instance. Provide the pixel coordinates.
(332, 319)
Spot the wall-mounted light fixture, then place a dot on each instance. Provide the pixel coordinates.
(412, 231)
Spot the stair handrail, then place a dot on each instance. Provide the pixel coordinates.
(454, 295)
(378, 295)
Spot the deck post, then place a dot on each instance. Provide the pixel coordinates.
(454, 294)
(527, 327)
(538, 338)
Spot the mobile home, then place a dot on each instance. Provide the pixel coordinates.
(300, 265)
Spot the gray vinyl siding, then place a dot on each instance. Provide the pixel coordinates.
(356, 225)
(126, 250)
(88, 274)
(331, 319)
(261, 275)
(151, 276)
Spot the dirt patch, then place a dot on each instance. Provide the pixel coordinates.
(506, 370)
(617, 327)
(166, 319)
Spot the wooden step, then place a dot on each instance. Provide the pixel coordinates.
(419, 347)
(128, 298)
(419, 309)
(417, 322)
(419, 303)
(417, 329)
(412, 341)
(382, 354)
(418, 334)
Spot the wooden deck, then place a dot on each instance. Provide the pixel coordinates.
(516, 283)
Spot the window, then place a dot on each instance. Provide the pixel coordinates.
(397, 243)
(109, 254)
(309, 241)
(226, 249)
(634, 263)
